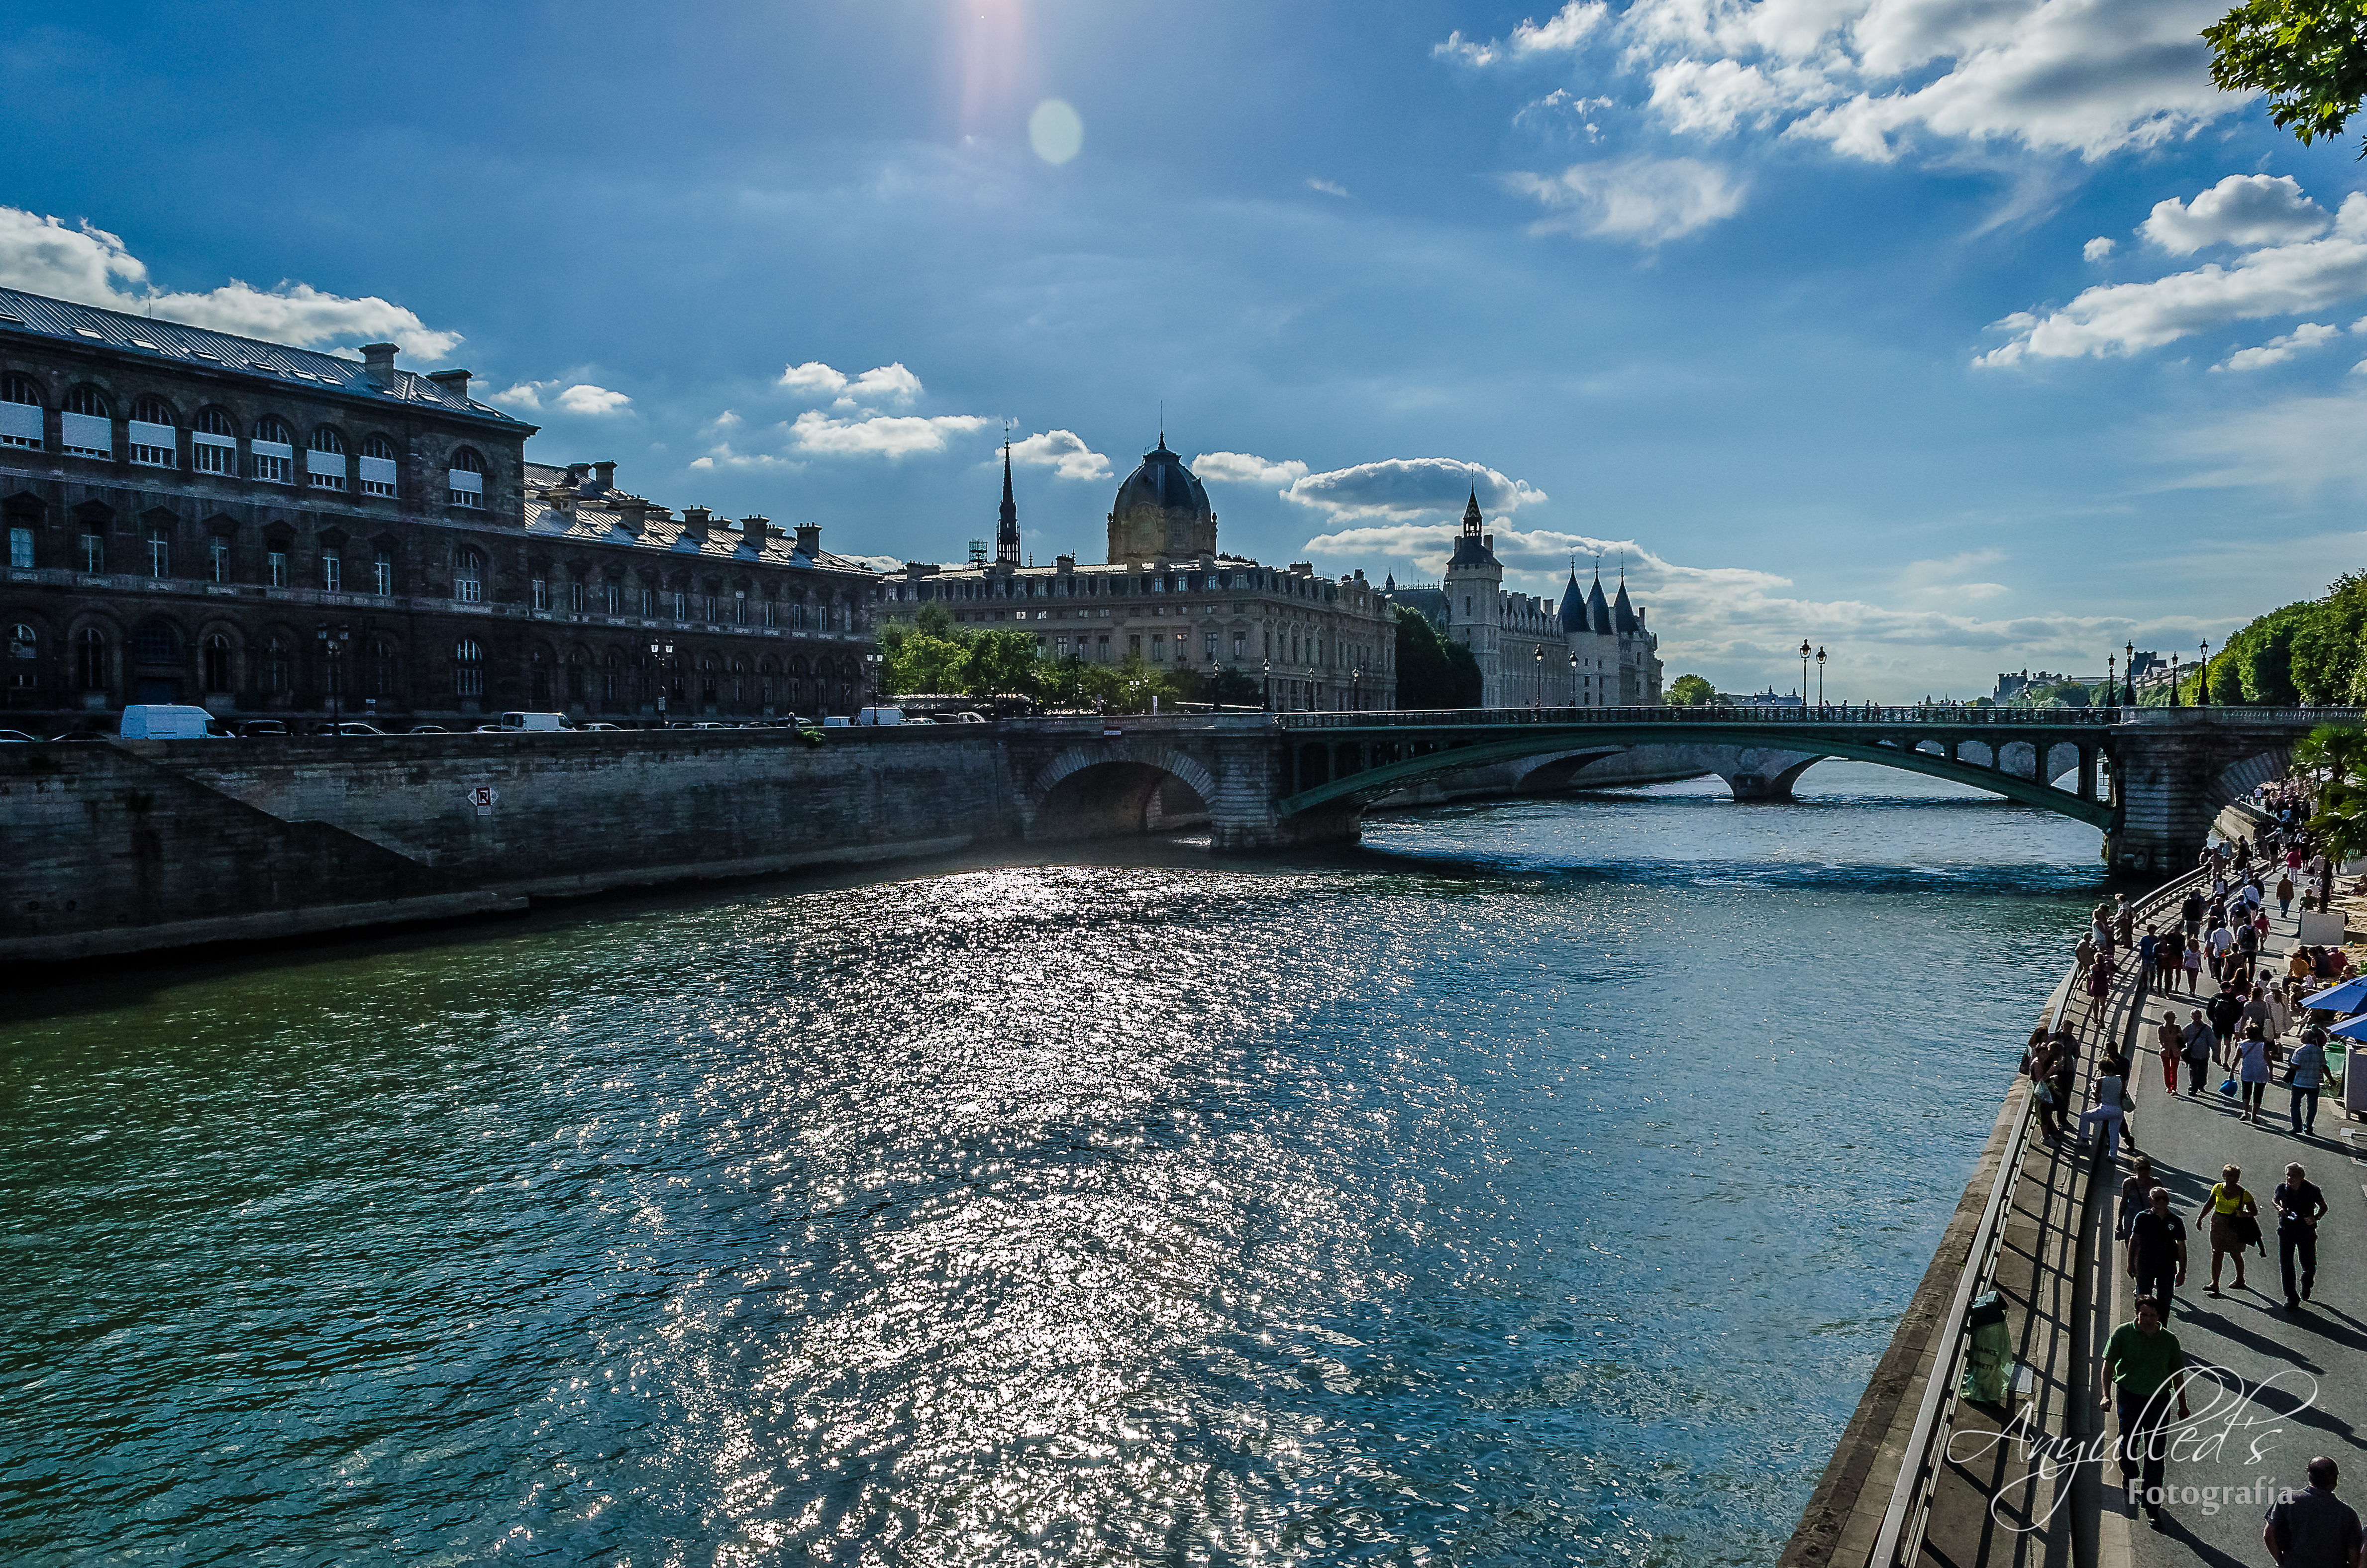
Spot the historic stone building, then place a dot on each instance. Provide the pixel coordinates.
(198, 517)
(1586, 652)
(1167, 595)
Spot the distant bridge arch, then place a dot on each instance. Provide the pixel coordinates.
(1098, 792)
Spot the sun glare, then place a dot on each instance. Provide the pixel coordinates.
(1055, 131)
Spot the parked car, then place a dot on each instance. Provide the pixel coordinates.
(346, 727)
(964, 717)
(596, 725)
(254, 727)
(867, 717)
(170, 721)
(537, 723)
(427, 730)
(15, 738)
(833, 721)
(77, 735)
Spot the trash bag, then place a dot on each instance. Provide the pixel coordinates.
(1988, 1352)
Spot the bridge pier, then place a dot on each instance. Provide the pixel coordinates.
(2173, 770)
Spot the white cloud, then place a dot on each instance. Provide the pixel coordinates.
(2085, 76)
(580, 397)
(883, 384)
(1240, 467)
(1062, 451)
(2276, 350)
(1329, 187)
(1404, 489)
(2097, 249)
(888, 436)
(1649, 200)
(1561, 33)
(2242, 210)
(91, 266)
(2124, 318)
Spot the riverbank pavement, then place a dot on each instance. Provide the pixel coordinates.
(2276, 1387)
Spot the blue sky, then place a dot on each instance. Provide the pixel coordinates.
(1805, 308)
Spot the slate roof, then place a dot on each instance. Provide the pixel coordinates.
(593, 521)
(88, 327)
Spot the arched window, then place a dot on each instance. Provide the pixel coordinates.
(213, 443)
(90, 658)
(20, 413)
(154, 440)
(24, 654)
(467, 668)
(157, 642)
(467, 479)
(278, 674)
(324, 460)
(87, 428)
(469, 577)
(274, 453)
(160, 551)
(218, 662)
(378, 466)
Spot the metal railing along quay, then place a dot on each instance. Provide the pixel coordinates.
(1935, 714)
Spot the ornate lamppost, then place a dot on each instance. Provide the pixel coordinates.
(1573, 681)
(871, 662)
(2112, 678)
(2173, 680)
(2129, 678)
(2203, 677)
(1356, 688)
(1265, 679)
(1820, 677)
(661, 659)
(1540, 662)
(1804, 674)
(333, 645)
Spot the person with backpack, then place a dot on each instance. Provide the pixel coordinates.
(2225, 1008)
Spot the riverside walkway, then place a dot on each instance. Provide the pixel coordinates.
(1923, 1478)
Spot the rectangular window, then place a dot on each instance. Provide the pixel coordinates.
(465, 488)
(1241, 644)
(649, 604)
(86, 435)
(20, 548)
(541, 594)
(160, 558)
(325, 471)
(1158, 648)
(1210, 642)
(273, 461)
(383, 576)
(218, 559)
(575, 594)
(1134, 645)
(768, 612)
(377, 475)
(210, 454)
(1103, 654)
(275, 568)
(93, 553)
(156, 446)
(615, 599)
(1059, 647)
(333, 574)
(20, 425)
(739, 607)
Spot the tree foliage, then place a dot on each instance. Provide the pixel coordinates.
(2306, 652)
(1690, 691)
(1432, 671)
(2308, 56)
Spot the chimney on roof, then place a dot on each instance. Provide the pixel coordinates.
(604, 479)
(693, 522)
(378, 363)
(453, 381)
(577, 473)
(631, 513)
(754, 530)
(809, 539)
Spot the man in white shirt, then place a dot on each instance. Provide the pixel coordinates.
(2222, 943)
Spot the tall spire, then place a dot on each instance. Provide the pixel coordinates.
(1471, 513)
(1006, 535)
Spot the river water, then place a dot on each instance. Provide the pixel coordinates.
(1537, 1183)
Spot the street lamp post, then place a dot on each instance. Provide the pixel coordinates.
(871, 670)
(2173, 680)
(2112, 678)
(332, 643)
(1356, 688)
(1820, 677)
(2203, 677)
(1540, 662)
(1574, 680)
(662, 657)
(1265, 680)
(2129, 678)
(1804, 673)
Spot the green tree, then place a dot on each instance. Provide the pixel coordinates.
(1432, 671)
(1002, 663)
(913, 663)
(935, 621)
(2308, 56)
(1690, 691)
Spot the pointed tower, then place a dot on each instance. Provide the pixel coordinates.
(1006, 532)
(1623, 611)
(1475, 602)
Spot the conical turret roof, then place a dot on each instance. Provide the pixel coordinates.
(1573, 604)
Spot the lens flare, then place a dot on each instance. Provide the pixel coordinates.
(1055, 131)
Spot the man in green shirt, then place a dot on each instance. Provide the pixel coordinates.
(2145, 1367)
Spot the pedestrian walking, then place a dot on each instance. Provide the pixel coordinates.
(2083, 955)
(2156, 1249)
(2125, 921)
(2226, 1204)
(2222, 944)
(2169, 1043)
(2190, 912)
(2110, 1109)
(2100, 987)
(2256, 1010)
(2190, 960)
(2252, 1072)
(2313, 1528)
(2199, 1040)
(2137, 1191)
(2039, 1065)
(2144, 1370)
(2224, 1008)
(2299, 1205)
(2308, 1075)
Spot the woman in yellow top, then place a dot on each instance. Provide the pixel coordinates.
(2227, 1199)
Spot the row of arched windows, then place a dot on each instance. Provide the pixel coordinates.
(87, 428)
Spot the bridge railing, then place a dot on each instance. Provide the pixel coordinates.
(1949, 714)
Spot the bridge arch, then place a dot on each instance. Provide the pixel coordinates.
(1107, 791)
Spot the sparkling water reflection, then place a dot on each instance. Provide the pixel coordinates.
(1537, 1183)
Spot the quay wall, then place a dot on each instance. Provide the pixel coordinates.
(147, 845)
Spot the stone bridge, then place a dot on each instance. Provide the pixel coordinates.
(2151, 779)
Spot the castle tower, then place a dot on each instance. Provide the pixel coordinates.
(1006, 532)
(1474, 614)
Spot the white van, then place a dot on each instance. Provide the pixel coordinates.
(879, 716)
(535, 721)
(169, 721)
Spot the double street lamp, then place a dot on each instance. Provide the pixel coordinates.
(871, 671)
(662, 655)
(332, 646)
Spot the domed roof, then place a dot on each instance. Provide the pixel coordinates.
(1163, 483)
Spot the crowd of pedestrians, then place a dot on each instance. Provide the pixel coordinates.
(2250, 1027)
